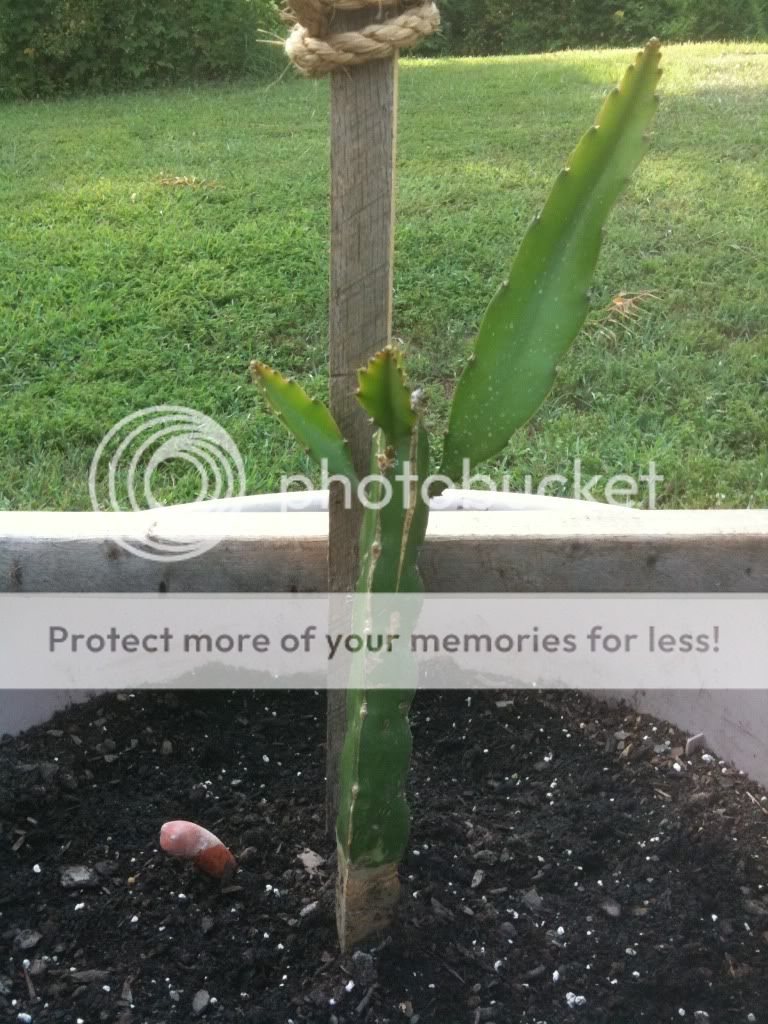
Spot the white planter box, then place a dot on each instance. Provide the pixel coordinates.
(554, 545)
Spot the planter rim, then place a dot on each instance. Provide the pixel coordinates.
(452, 500)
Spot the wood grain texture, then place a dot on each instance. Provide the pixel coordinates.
(363, 143)
(584, 551)
(363, 134)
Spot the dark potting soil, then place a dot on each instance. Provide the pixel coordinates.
(568, 863)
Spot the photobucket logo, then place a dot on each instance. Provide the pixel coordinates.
(377, 491)
(133, 452)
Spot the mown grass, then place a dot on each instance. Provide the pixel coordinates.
(119, 291)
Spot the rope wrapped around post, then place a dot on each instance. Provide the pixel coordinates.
(315, 50)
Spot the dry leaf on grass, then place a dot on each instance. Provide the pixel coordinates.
(187, 182)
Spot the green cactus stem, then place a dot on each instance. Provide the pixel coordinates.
(374, 819)
(540, 309)
(307, 419)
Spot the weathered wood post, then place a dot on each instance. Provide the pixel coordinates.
(363, 143)
(357, 41)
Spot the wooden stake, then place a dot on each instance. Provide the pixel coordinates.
(363, 148)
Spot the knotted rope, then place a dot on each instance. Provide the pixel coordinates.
(315, 50)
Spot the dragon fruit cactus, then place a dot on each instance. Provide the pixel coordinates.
(530, 323)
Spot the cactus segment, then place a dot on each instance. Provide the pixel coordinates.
(374, 819)
(391, 536)
(377, 748)
(539, 310)
(307, 419)
(384, 396)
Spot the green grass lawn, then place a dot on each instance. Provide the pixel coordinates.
(119, 291)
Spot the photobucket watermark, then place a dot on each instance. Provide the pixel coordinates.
(377, 491)
(162, 442)
(136, 450)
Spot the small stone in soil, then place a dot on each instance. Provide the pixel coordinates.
(312, 861)
(611, 908)
(200, 1002)
(487, 857)
(310, 908)
(106, 868)
(87, 977)
(477, 878)
(537, 972)
(79, 877)
(363, 968)
(532, 900)
(26, 939)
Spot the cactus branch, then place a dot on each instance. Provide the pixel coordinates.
(539, 310)
(307, 419)
(373, 823)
